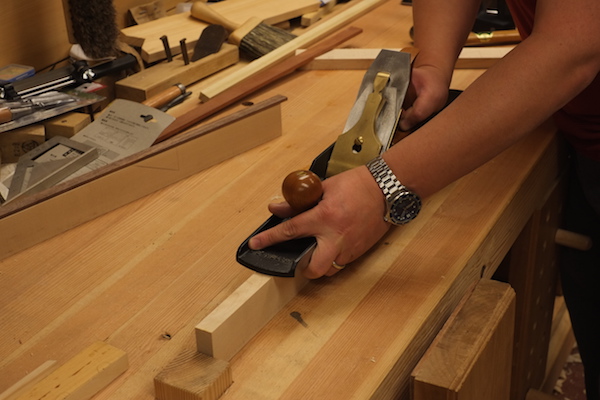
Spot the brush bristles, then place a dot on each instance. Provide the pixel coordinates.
(94, 27)
(263, 39)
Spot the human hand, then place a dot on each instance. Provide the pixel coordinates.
(428, 94)
(346, 222)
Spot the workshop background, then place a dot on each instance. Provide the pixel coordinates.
(41, 40)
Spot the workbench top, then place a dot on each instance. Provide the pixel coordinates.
(142, 276)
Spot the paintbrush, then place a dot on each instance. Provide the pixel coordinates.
(254, 38)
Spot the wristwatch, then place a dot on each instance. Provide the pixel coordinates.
(402, 204)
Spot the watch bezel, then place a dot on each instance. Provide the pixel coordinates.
(396, 200)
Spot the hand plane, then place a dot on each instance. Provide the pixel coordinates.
(368, 132)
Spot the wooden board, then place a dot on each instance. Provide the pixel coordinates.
(151, 81)
(470, 358)
(347, 58)
(81, 377)
(66, 125)
(41, 216)
(179, 26)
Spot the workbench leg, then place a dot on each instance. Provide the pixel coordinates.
(533, 273)
(470, 359)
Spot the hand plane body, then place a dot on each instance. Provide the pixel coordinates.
(368, 132)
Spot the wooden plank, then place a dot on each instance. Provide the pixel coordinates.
(81, 377)
(193, 376)
(151, 81)
(48, 213)
(470, 358)
(179, 26)
(66, 125)
(236, 320)
(350, 58)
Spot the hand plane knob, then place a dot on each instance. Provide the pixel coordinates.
(302, 190)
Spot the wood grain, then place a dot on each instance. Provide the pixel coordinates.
(82, 376)
(144, 275)
(68, 204)
(470, 359)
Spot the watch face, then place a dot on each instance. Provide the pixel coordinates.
(404, 208)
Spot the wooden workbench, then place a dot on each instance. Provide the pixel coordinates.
(142, 276)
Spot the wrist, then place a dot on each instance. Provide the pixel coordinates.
(401, 204)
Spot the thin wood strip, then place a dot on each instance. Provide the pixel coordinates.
(244, 88)
(320, 31)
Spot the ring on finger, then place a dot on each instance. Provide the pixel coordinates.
(337, 266)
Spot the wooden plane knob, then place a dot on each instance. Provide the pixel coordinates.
(302, 190)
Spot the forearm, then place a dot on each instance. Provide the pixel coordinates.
(505, 103)
(440, 30)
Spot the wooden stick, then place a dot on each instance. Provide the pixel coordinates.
(237, 319)
(346, 59)
(573, 240)
(243, 89)
(320, 31)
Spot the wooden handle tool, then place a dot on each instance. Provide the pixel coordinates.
(5, 115)
(163, 98)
